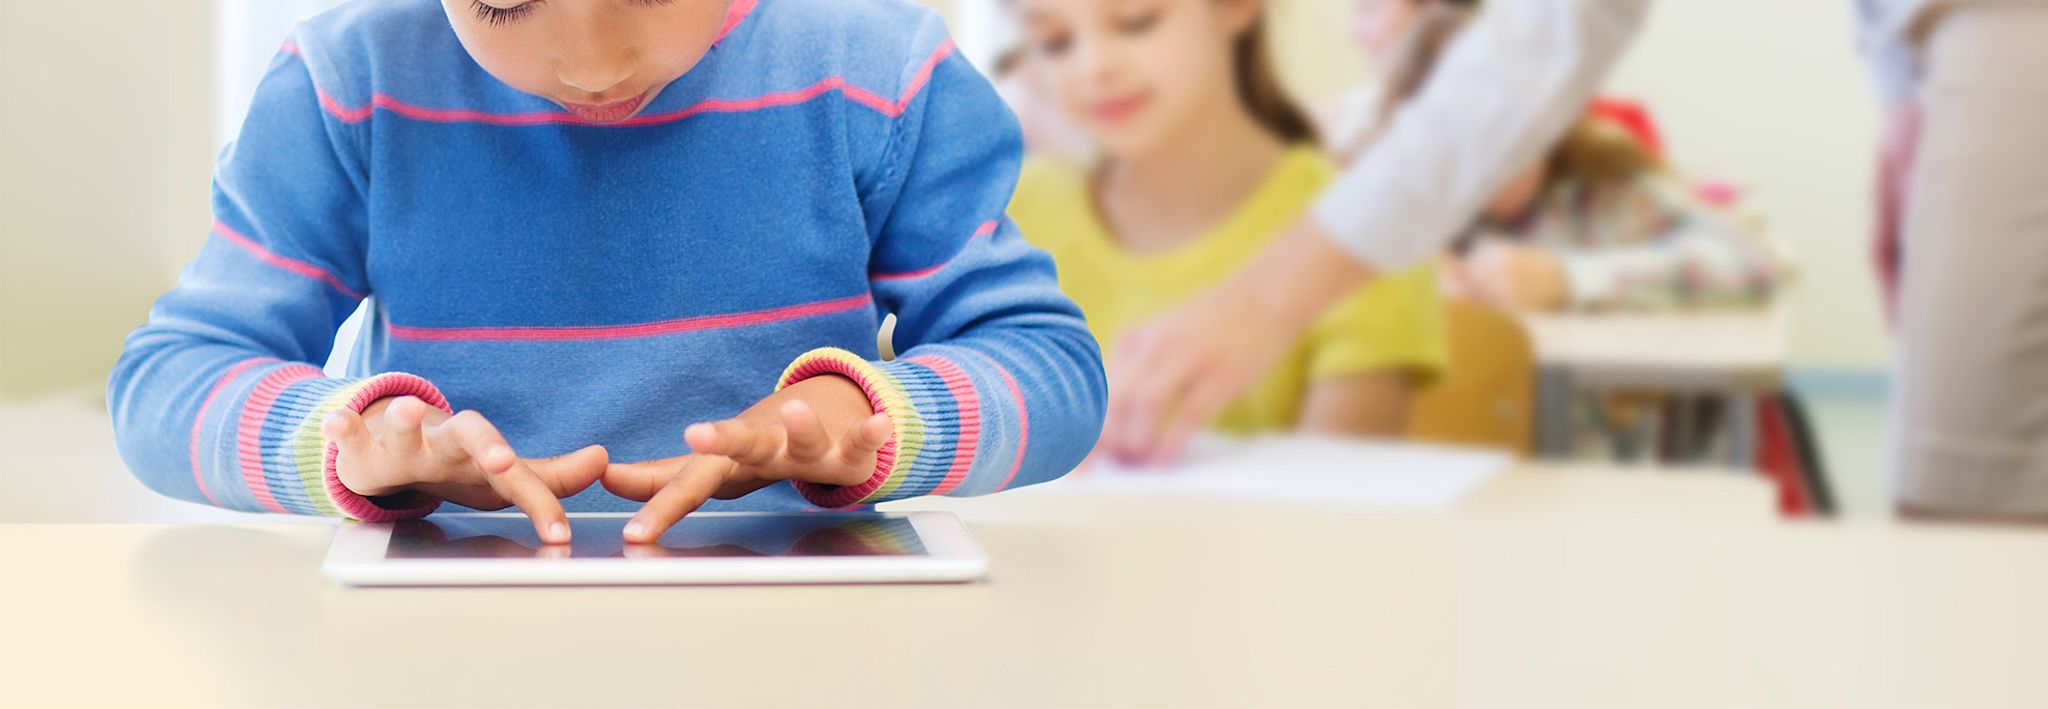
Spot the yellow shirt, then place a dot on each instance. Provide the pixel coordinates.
(1395, 323)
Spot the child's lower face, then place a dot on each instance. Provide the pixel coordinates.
(602, 60)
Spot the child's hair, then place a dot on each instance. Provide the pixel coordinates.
(1263, 93)
(1593, 150)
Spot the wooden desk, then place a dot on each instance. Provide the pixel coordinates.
(1546, 588)
(1735, 355)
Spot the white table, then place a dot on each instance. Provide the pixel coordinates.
(1735, 355)
(1545, 588)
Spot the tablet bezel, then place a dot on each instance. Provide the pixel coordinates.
(358, 558)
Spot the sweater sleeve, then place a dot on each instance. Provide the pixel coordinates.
(998, 383)
(218, 397)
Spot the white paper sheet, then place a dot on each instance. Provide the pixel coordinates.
(1322, 471)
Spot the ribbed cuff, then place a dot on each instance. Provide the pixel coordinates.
(367, 392)
(897, 389)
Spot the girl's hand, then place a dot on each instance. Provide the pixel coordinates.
(1518, 277)
(403, 444)
(820, 430)
(1171, 375)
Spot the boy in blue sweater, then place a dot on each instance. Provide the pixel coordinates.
(596, 222)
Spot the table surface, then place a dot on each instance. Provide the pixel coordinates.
(1708, 350)
(1546, 587)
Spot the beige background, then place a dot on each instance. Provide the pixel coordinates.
(106, 144)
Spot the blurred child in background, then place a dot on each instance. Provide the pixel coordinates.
(1598, 223)
(1202, 159)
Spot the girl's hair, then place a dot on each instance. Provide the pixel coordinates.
(1263, 93)
(1593, 150)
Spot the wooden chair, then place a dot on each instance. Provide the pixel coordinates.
(1487, 396)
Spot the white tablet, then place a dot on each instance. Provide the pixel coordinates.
(705, 548)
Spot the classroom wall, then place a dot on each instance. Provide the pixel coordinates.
(105, 152)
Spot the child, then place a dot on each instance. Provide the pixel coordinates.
(1598, 223)
(1204, 159)
(594, 222)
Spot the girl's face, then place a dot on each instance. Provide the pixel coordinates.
(1379, 26)
(1131, 71)
(603, 60)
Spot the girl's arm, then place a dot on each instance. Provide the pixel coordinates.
(998, 382)
(1371, 404)
(1368, 353)
(218, 398)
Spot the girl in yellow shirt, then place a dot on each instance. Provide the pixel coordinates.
(1202, 159)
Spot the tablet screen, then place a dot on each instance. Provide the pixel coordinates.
(789, 535)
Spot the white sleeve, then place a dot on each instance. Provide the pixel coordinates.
(1883, 28)
(1505, 91)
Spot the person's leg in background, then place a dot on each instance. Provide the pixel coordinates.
(1972, 387)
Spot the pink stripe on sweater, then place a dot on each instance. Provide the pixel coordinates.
(969, 403)
(734, 15)
(924, 74)
(615, 332)
(289, 264)
(880, 104)
(249, 435)
(986, 229)
(199, 422)
(1023, 419)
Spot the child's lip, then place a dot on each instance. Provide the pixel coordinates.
(1119, 108)
(607, 112)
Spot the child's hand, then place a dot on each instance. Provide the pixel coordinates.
(1517, 277)
(820, 430)
(402, 444)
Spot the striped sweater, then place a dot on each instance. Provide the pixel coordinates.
(829, 161)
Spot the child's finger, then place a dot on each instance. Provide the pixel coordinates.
(405, 415)
(345, 428)
(523, 489)
(1195, 411)
(860, 444)
(698, 481)
(567, 475)
(640, 481)
(1138, 424)
(808, 441)
(467, 436)
(354, 447)
(857, 448)
(743, 441)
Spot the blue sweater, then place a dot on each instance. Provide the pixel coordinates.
(829, 161)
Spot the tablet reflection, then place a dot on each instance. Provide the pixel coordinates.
(828, 534)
